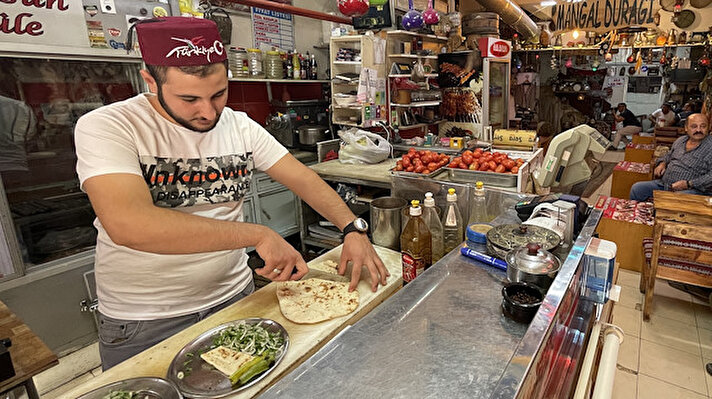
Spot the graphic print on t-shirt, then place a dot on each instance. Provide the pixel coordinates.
(176, 182)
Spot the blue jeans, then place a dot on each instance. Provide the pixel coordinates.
(643, 190)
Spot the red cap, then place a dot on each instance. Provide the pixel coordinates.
(180, 41)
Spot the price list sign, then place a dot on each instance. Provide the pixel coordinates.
(272, 28)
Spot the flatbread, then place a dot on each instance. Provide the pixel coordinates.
(226, 360)
(315, 300)
(328, 266)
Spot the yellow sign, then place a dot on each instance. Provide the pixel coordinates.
(604, 15)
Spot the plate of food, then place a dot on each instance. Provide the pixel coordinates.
(136, 388)
(229, 358)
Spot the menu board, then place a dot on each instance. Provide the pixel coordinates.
(272, 28)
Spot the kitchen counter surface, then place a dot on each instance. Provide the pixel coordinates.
(305, 339)
(376, 175)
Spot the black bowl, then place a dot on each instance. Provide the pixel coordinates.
(520, 301)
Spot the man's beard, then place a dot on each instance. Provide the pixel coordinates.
(180, 120)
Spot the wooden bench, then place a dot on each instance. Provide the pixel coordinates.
(682, 243)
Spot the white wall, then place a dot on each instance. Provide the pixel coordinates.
(307, 31)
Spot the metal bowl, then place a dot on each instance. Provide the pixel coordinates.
(503, 238)
(147, 387)
(202, 380)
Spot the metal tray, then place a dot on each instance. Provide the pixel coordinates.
(203, 380)
(488, 178)
(147, 387)
(413, 174)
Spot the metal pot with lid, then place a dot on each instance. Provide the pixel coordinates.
(312, 134)
(532, 264)
(506, 237)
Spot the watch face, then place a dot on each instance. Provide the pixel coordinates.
(360, 224)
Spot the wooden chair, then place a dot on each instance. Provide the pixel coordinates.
(682, 243)
(667, 135)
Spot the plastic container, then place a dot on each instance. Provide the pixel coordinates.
(478, 205)
(452, 223)
(237, 59)
(415, 245)
(273, 65)
(254, 63)
(432, 220)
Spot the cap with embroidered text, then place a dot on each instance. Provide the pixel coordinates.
(180, 41)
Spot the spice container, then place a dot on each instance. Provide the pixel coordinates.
(273, 65)
(254, 62)
(237, 59)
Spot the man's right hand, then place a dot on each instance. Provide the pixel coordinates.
(659, 170)
(280, 258)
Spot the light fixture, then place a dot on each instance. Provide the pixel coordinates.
(548, 3)
(576, 34)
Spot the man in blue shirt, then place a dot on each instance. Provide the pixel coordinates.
(686, 168)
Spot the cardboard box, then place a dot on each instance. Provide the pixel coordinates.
(627, 173)
(642, 153)
(626, 223)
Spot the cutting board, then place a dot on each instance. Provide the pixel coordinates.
(305, 339)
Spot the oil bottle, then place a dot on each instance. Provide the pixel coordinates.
(478, 206)
(452, 223)
(415, 244)
(432, 220)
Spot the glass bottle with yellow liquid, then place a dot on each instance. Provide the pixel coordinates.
(416, 244)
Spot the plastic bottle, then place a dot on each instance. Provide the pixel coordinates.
(452, 223)
(415, 245)
(432, 220)
(478, 207)
(296, 66)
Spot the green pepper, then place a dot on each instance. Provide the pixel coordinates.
(256, 369)
(236, 375)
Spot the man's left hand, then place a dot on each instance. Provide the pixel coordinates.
(359, 250)
(679, 185)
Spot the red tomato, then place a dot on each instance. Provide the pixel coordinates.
(515, 170)
(483, 167)
(427, 171)
(419, 169)
(462, 166)
(500, 169)
(399, 167)
(409, 169)
(475, 165)
(406, 162)
(399, 163)
(520, 162)
(457, 159)
(492, 165)
(421, 153)
(479, 150)
(453, 164)
(467, 159)
(433, 166)
(508, 163)
(467, 152)
(477, 155)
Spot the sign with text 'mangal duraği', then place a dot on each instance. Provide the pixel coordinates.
(604, 15)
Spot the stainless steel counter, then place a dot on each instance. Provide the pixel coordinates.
(444, 335)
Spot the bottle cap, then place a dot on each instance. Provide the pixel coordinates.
(451, 196)
(479, 184)
(429, 201)
(415, 209)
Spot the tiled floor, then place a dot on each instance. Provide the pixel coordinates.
(665, 357)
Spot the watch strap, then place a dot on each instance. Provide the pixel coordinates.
(350, 228)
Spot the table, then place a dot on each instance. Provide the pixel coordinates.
(372, 175)
(30, 356)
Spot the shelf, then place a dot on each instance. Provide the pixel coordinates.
(407, 75)
(587, 48)
(351, 38)
(355, 106)
(423, 35)
(419, 125)
(418, 104)
(429, 57)
(347, 62)
(279, 80)
(347, 123)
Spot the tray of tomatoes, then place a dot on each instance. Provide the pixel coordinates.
(495, 168)
(423, 163)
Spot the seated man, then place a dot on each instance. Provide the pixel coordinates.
(663, 116)
(686, 111)
(686, 168)
(631, 126)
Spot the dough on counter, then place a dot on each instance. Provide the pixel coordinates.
(226, 360)
(315, 300)
(328, 266)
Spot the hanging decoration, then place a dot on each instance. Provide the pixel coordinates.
(413, 19)
(354, 8)
(430, 16)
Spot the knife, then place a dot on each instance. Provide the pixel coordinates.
(314, 273)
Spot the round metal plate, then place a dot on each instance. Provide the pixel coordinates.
(145, 387)
(202, 380)
(506, 237)
(684, 19)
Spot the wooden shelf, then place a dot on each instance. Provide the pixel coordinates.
(587, 48)
(348, 38)
(418, 104)
(429, 57)
(423, 35)
(407, 75)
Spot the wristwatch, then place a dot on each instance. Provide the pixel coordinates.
(689, 184)
(359, 225)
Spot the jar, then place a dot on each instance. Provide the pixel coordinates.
(273, 65)
(254, 62)
(237, 59)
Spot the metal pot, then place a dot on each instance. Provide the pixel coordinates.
(312, 134)
(532, 264)
(506, 237)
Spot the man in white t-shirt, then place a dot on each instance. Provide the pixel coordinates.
(166, 173)
(663, 116)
